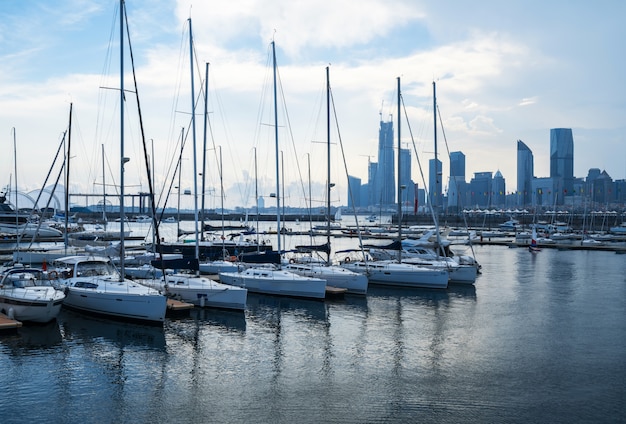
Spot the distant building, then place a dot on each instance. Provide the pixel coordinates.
(480, 189)
(354, 192)
(457, 187)
(525, 174)
(386, 165)
(544, 193)
(562, 161)
(498, 190)
(435, 191)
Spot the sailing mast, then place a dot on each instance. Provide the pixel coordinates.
(206, 94)
(123, 159)
(399, 182)
(437, 191)
(276, 143)
(329, 185)
(193, 132)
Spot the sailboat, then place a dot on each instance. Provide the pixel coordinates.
(533, 247)
(308, 266)
(270, 279)
(92, 283)
(395, 272)
(193, 288)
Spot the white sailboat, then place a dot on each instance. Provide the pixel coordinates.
(393, 272)
(270, 279)
(308, 266)
(193, 288)
(92, 283)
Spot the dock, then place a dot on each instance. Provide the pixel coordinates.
(8, 325)
(177, 307)
(335, 291)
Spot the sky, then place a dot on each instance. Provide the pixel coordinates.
(504, 71)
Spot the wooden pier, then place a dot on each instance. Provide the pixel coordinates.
(8, 325)
(177, 307)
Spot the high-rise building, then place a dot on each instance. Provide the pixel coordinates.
(562, 161)
(480, 187)
(457, 164)
(525, 173)
(456, 184)
(434, 182)
(354, 192)
(386, 165)
(372, 184)
(408, 193)
(498, 190)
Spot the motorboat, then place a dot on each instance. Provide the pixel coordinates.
(93, 285)
(27, 295)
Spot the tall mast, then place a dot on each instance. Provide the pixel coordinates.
(123, 159)
(435, 198)
(329, 185)
(193, 132)
(276, 142)
(399, 182)
(206, 95)
(437, 191)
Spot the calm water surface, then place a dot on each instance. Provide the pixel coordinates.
(541, 338)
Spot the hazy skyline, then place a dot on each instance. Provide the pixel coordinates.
(505, 71)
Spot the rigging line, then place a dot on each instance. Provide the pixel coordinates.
(456, 186)
(345, 165)
(143, 137)
(289, 128)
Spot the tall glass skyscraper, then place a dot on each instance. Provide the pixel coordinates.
(386, 165)
(525, 173)
(457, 165)
(562, 161)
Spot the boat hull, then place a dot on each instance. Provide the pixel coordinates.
(276, 282)
(204, 292)
(40, 308)
(147, 308)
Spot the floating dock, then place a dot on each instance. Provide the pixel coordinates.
(8, 325)
(177, 307)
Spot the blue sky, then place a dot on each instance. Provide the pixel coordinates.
(504, 70)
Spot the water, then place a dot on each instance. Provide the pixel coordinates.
(541, 338)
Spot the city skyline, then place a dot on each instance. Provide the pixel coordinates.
(504, 72)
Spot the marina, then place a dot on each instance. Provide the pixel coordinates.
(538, 338)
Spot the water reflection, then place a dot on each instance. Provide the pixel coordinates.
(33, 338)
(87, 328)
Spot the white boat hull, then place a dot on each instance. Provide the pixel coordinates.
(148, 308)
(33, 304)
(335, 276)
(276, 282)
(93, 286)
(398, 274)
(204, 292)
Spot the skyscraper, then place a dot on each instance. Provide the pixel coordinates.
(457, 165)
(456, 184)
(354, 192)
(434, 182)
(562, 161)
(405, 177)
(386, 165)
(525, 173)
